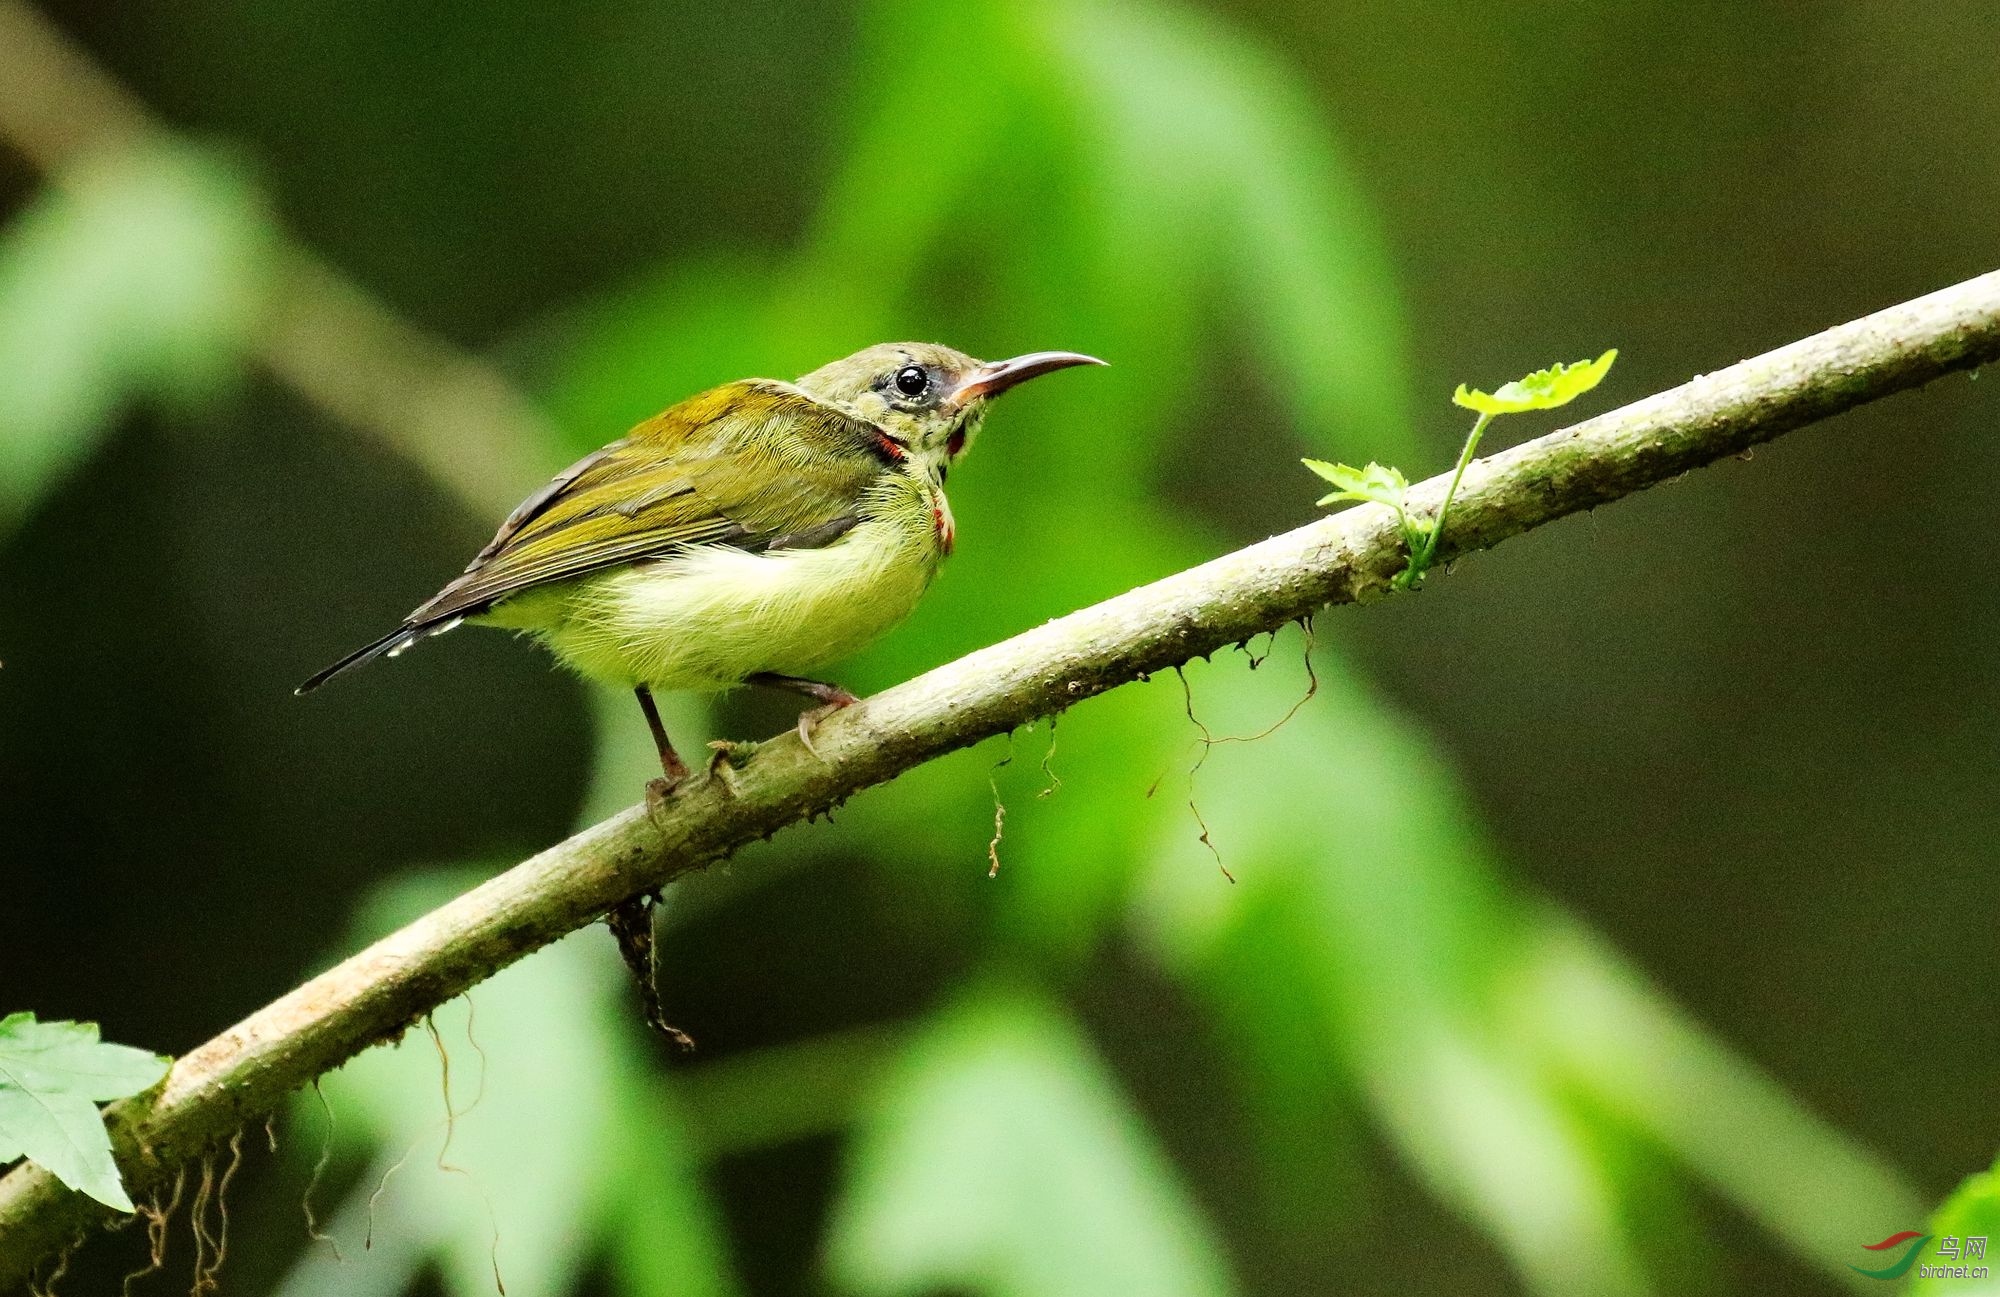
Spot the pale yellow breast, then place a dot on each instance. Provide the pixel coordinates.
(706, 619)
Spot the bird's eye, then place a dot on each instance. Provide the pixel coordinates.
(911, 380)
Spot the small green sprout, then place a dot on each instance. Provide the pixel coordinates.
(1375, 484)
(1545, 389)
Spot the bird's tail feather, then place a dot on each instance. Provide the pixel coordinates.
(388, 646)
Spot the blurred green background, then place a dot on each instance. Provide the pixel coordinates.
(1617, 919)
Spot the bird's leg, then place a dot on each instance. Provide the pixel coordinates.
(670, 761)
(631, 922)
(832, 698)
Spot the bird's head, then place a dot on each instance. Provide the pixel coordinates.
(930, 398)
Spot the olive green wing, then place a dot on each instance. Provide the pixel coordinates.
(756, 464)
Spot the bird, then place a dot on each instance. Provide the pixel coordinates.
(752, 534)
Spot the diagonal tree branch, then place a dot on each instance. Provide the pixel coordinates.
(1346, 558)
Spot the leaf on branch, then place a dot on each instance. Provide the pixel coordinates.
(1376, 484)
(1545, 389)
(52, 1077)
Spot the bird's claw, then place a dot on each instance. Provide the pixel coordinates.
(809, 720)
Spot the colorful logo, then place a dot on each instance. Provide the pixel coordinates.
(1901, 1266)
(1954, 1255)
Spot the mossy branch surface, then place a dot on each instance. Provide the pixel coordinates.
(1345, 558)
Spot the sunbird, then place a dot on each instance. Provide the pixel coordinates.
(752, 534)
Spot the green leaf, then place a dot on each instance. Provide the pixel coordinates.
(52, 1077)
(1377, 483)
(1973, 1211)
(1365, 926)
(1545, 389)
(1003, 1161)
(139, 278)
(1207, 167)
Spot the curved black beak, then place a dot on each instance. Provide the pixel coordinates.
(996, 376)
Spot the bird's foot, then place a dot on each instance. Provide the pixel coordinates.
(729, 754)
(833, 696)
(836, 699)
(660, 791)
